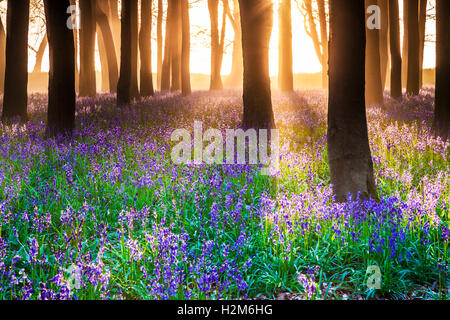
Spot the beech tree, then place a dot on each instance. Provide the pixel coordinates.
(256, 31)
(235, 77)
(124, 84)
(61, 88)
(145, 38)
(2, 56)
(412, 84)
(285, 68)
(159, 41)
(40, 54)
(384, 41)
(88, 87)
(185, 48)
(217, 44)
(349, 155)
(396, 58)
(16, 68)
(134, 42)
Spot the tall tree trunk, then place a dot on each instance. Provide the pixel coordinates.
(396, 58)
(40, 54)
(216, 80)
(61, 88)
(145, 38)
(384, 41)
(285, 69)
(374, 90)
(2, 56)
(134, 49)
(166, 66)
(349, 156)
(185, 48)
(113, 17)
(312, 33)
(324, 41)
(442, 108)
(405, 43)
(16, 70)
(412, 85)
(87, 49)
(75, 41)
(103, 61)
(106, 41)
(176, 46)
(235, 77)
(256, 32)
(159, 39)
(124, 84)
(422, 29)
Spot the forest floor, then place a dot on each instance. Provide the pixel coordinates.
(108, 215)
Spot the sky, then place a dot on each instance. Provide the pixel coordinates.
(304, 57)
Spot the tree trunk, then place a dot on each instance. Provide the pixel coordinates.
(256, 32)
(185, 49)
(412, 85)
(318, 46)
(405, 43)
(134, 49)
(422, 29)
(87, 49)
(2, 56)
(61, 88)
(235, 77)
(384, 41)
(106, 41)
(324, 41)
(285, 69)
(374, 90)
(442, 108)
(216, 80)
(113, 17)
(40, 54)
(176, 46)
(75, 42)
(145, 38)
(159, 39)
(16, 70)
(166, 66)
(124, 84)
(103, 62)
(396, 58)
(349, 156)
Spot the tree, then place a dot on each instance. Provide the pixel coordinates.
(106, 41)
(257, 22)
(113, 17)
(16, 70)
(405, 43)
(422, 26)
(349, 156)
(285, 69)
(145, 38)
(235, 77)
(159, 40)
(216, 46)
(61, 88)
(124, 84)
(166, 65)
(40, 54)
(384, 41)
(374, 90)
(323, 41)
(442, 107)
(2, 56)
(396, 58)
(176, 46)
(412, 84)
(87, 49)
(185, 48)
(134, 88)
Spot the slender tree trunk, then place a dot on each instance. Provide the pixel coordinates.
(349, 156)
(374, 90)
(405, 43)
(312, 32)
(145, 38)
(103, 62)
(422, 28)
(256, 33)
(16, 70)
(176, 46)
(235, 77)
(106, 41)
(216, 80)
(442, 108)
(185, 49)
(159, 39)
(2, 56)
(40, 54)
(285, 69)
(134, 49)
(113, 17)
(124, 84)
(87, 49)
(396, 58)
(324, 41)
(61, 88)
(166, 66)
(75, 41)
(412, 85)
(384, 41)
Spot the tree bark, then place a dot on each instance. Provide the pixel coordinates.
(396, 58)
(159, 39)
(75, 42)
(285, 69)
(256, 32)
(422, 28)
(374, 90)
(61, 88)
(324, 41)
(176, 46)
(2, 56)
(103, 62)
(134, 49)
(442, 108)
(412, 85)
(113, 17)
(216, 80)
(185, 49)
(124, 84)
(16, 70)
(166, 66)
(235, 77)
(350, 161)
(87, 49)
(40, 54)
(145, 38)
(106, 40)
(405, 43)
(384, 41)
